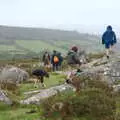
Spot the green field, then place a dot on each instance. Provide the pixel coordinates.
(38, 46)
(62, 46)
(24, 48)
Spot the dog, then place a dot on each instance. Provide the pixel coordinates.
(40, 74)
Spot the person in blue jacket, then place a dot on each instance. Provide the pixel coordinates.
(109, 39)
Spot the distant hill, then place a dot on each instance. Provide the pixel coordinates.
(22, 33)
(38, 39)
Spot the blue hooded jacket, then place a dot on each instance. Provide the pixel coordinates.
(109, 36)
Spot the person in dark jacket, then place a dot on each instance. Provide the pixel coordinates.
(60, 60)
(73, 57)
(109, 39)
(55, 60)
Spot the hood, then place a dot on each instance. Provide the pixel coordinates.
(109, 28)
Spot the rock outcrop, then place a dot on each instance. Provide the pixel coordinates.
(44, 94)
(13, 74)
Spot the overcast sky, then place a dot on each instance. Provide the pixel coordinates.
(60, 13)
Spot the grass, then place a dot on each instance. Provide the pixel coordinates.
(55, 79)
(23, 48)
(7, 47)
(38, 45)
(19, 112)
(62, 46)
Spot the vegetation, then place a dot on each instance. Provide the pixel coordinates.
(23, 112)
(23, 47)
(17, 112)
(94, 102)
(19, 43)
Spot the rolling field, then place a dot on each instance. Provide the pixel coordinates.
(62, 46)
(37, 46)
(24, 47)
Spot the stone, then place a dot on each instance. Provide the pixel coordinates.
(4, 98)
(44, 94)
(116, 88)
(13, 74)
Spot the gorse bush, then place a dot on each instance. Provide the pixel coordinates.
(94, 102)
(9, 86)
(90, 103)
(90, 80)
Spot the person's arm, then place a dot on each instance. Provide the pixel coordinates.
(103, 38)
(115, 40)
(61, 59)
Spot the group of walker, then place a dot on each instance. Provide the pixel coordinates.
(56, 59)
(73, 58)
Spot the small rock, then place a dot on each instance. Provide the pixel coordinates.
(4, 98)
(116, 88)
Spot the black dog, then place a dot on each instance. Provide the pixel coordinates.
(40, 74)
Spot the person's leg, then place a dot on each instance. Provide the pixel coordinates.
(107, 46)
(53, 65)
(111, 48)
(57, 67)
(107, 51)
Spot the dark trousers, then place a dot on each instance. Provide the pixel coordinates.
(55, 66)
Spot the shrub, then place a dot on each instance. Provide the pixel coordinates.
(9, 86)
(95, 102)
(90, 103)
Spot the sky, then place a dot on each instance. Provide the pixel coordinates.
(83, 15)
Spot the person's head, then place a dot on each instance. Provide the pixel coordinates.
(74, 48)
(109, 28)
(46, 52)
(54, 51)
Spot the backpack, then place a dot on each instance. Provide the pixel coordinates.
(56, 59)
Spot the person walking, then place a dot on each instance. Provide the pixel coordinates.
(55, 61)
(109, 40)
(73, 57)
(46, 59)
(60, 60)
